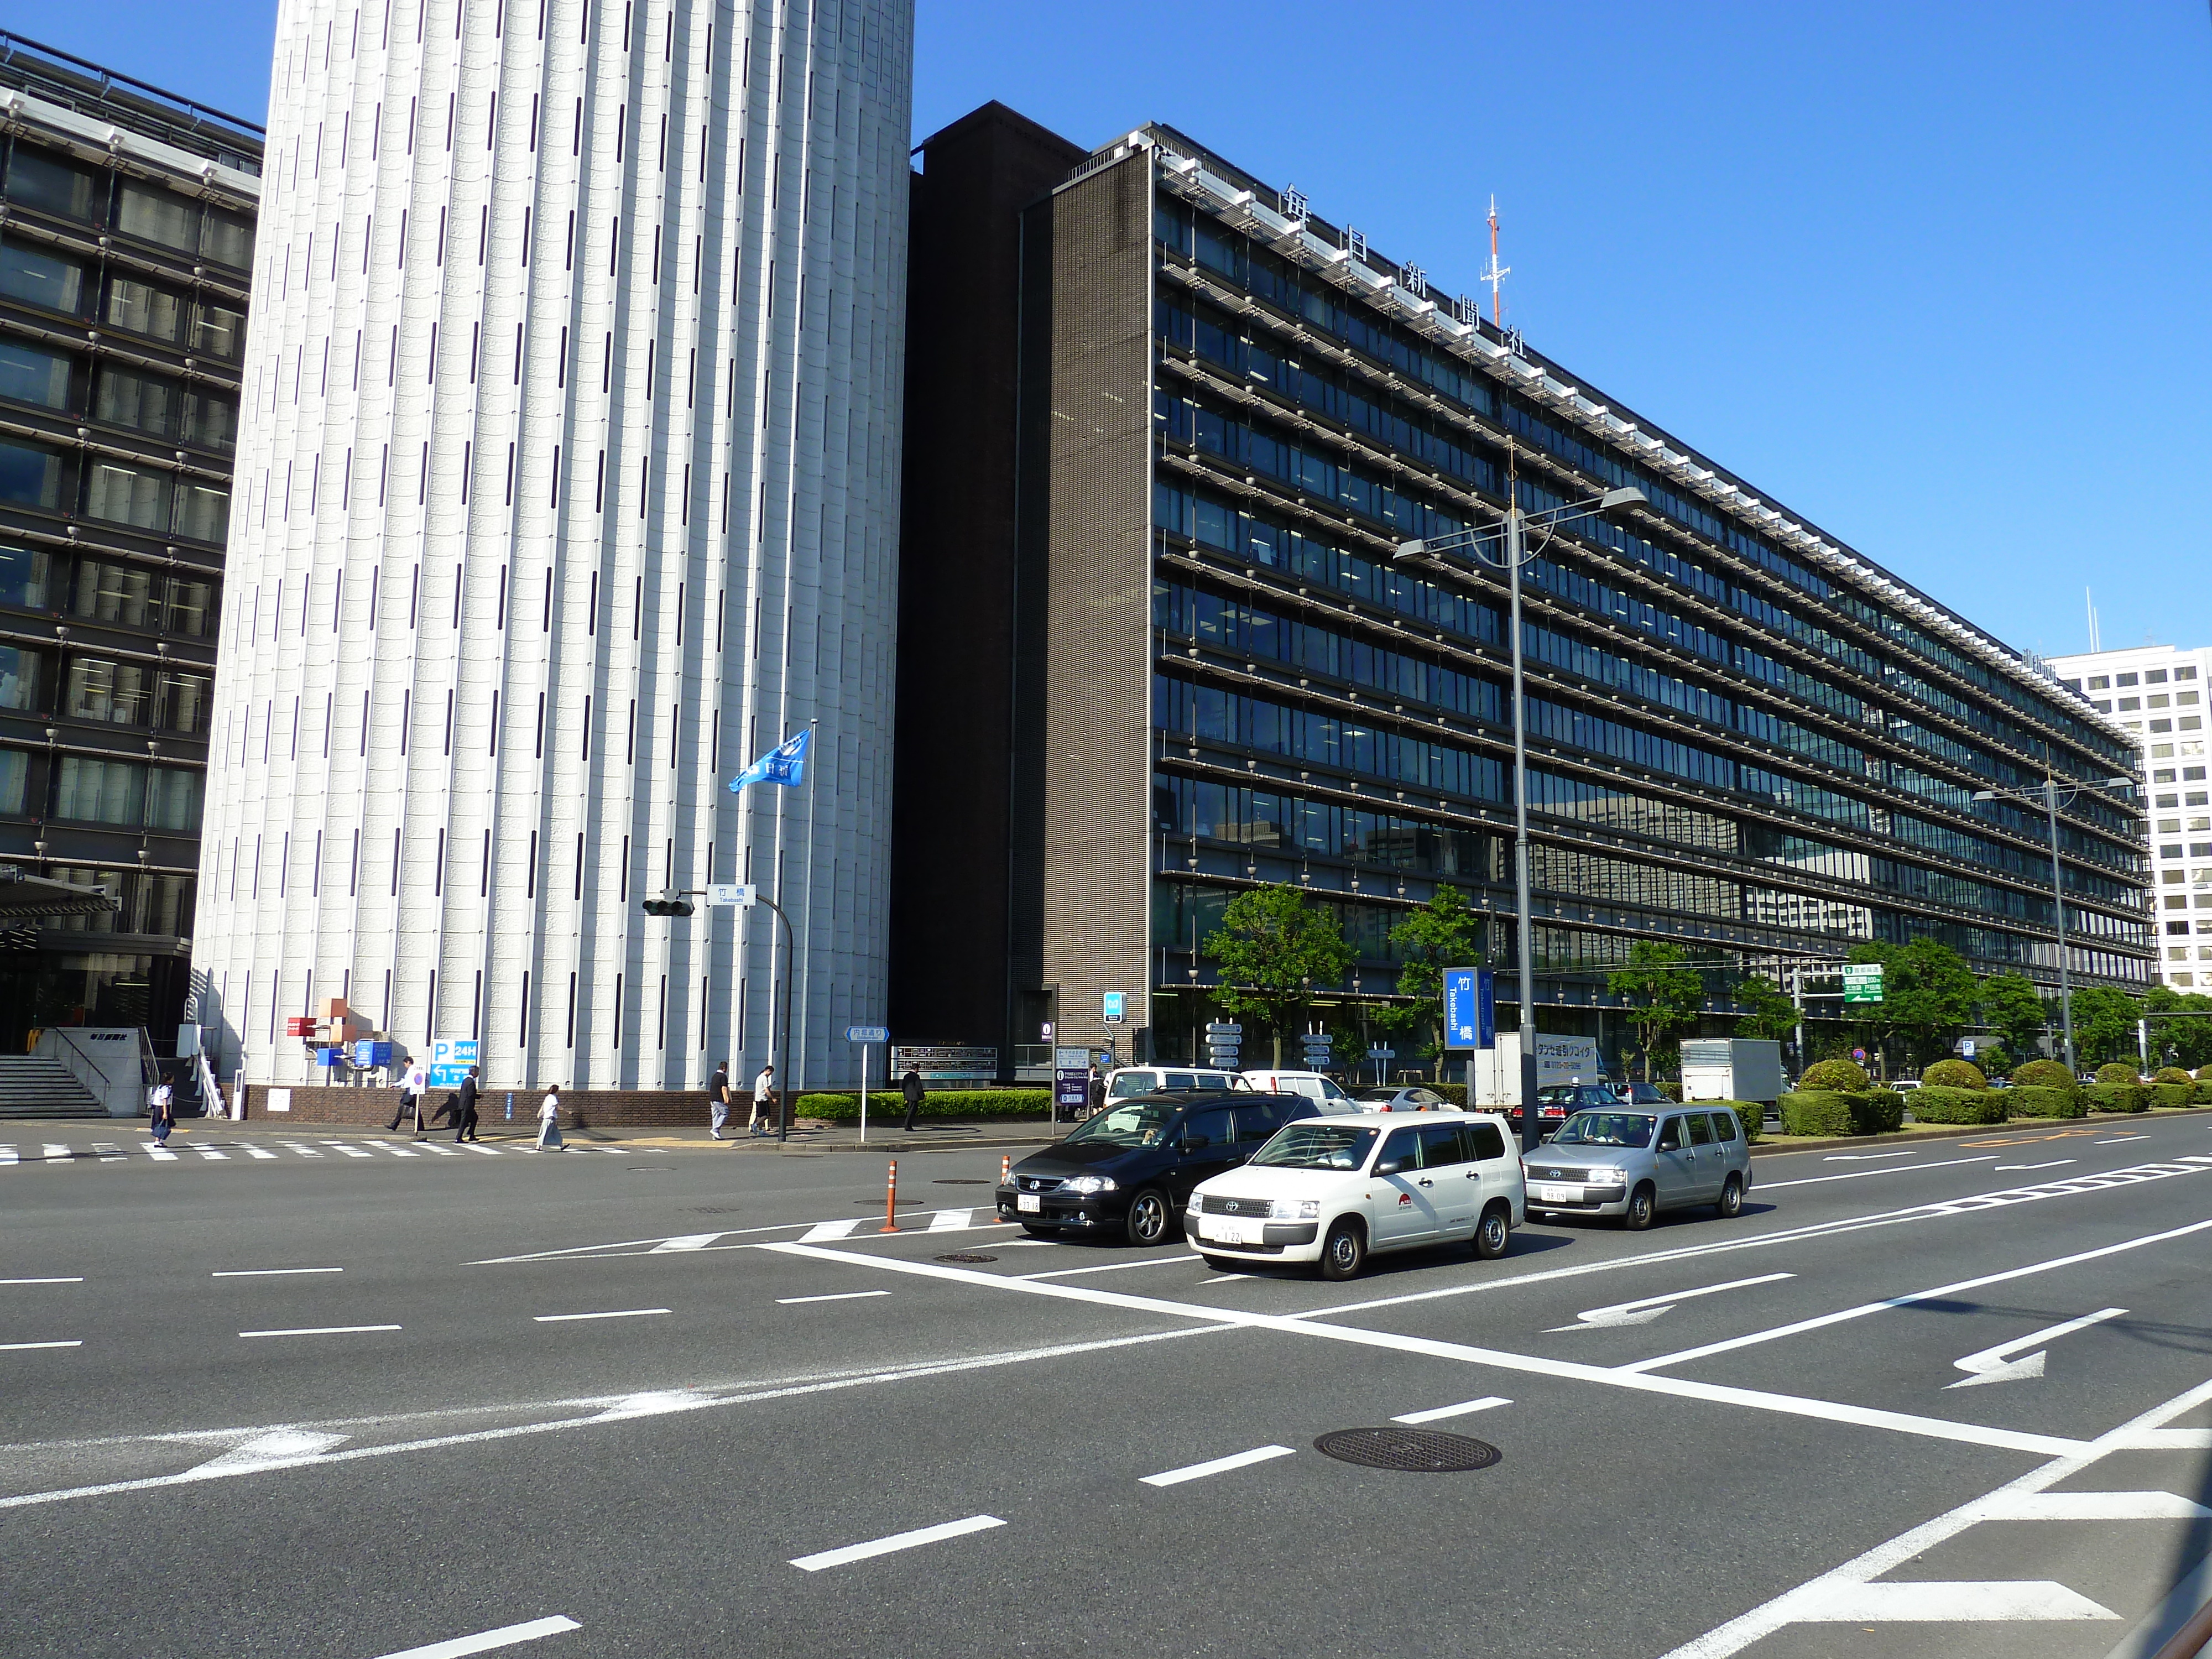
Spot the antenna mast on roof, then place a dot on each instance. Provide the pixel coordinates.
(1497, 274)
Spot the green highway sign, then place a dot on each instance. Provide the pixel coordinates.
(1861, 981)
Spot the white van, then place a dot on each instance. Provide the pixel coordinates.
(1129, 1080)
(1315, 1085)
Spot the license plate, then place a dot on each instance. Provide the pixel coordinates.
(1224, 1232)
(1028, 1202)
(1559, 1194)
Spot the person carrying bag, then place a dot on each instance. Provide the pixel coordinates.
(548, 1121)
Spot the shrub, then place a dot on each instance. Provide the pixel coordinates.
(1885, 1110)
(1749, 1112)
(1455, 1092)
(2171, 1074)
(1841, 1112)
(2172, 1094)
(2204, 1074)
(2117, 1072)
(1932, 1104)
(2044, 1074)
(2204, 1092)
(938, 1103)
(2036, 1100)
(1672, 1091)
(1827, 1076)
(2129, 1097)
(1954, 1074)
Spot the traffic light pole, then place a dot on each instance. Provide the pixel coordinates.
(671, 903)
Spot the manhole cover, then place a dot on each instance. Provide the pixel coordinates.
(1415, 1451)
(967, 1255)
(960, 1181)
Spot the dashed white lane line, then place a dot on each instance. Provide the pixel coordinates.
(897, 1540)
(268, 1272)
(1466, 1407)
(507, 1635)
(841, 1295)
(23, 1348)
(322, 1330)
(1111, 1266)
(1218, 1466)
(1861, 1175)
(2052, 1164)
(825, 1229)
(2118, 1139)
(617, 1313)
(42, 1281)
(1868, 1157)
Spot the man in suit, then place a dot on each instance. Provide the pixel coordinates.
(910, 1086)
(464, 1124)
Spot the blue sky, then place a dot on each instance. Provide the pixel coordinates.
(1935, 278)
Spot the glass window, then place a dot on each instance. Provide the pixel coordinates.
(117, 692)
(143, 309)
(1701, 1130)
(37, 277)
(219, 332)
(28, 376)
(173, 798)
(150, 403)
(1488, 1142)
(1605, 1129)
(191, 607)
(41, 180)
(154, 214)
(185, 700)
(23, 578)
(15, 776)
(1209, 1130)
(168, 904)
(99, 792)
(19, 678)
(212, 420)
(115, 593)
(1403, 1148)
(1132, 1123)
(1317, 1143)
(1670, 1135)
(135, 495)
(1723, 1126)
(1257, 1119)
(229, 239)
(203, 511)
(29, 476)
(1443, 1144)
(1179, 1082)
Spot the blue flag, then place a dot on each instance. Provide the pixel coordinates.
(786, 763)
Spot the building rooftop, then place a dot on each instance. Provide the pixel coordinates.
(169, 117)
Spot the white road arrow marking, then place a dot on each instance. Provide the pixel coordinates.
(1643, 1311)
(1996, 1365)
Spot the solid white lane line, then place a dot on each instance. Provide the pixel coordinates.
(1111, 1266)
(23, 1348)
(1861, 1175)
(1647, 1308)
(950, 1221)
(1217, 1465)
(2052, 1164)
(897, 1540)
(2095, 1506)
(506, 1637)
(268, 1272)
(1438, 1413)
(1989, 1365)
(42, 1281)
(278, 1445)
(1929, 1601)
(618, 1313)
(823, 1230)
(322, 1330)
(1224, 1278)
(2170, 1440)
(841, 1295)
(1821, 1322)
(1867, 1157)
(2118, 1139)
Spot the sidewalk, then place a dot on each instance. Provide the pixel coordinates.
(807, 1135)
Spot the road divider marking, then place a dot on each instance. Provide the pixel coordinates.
(41, 1281)
(1647, 1308)
(617, 1313)
(308, 1152)
(2118, 1140)
(1867, 1158)
(1466, 1407)
(251, 1151)
(689, 1242)
(54, 1152)
(1932, 1602)
(897, 1540)
(277, 1446)
(950, 1221)
(2169, 1440)
(2052, 1164)
(507, 1635)
(1996, 1365)
(268, 1272)
(1218, 1466)
(349, 1150)
(322, 1330)
(2094, 1506)
(159, 1154)
(841, 1295)
(1860, 1174)
(1112, 1267)
(823, 1230)
(24, 1347)
(7, 1155)
(209, 1152)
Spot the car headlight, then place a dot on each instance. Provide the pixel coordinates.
(1609, 1177)
(1296, 1209)
(1089, 1184)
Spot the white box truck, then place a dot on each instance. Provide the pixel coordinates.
(1559, 1059)
(1731, 1068)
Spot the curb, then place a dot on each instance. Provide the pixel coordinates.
(1960, 1131)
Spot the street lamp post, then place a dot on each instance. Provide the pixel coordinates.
(2049, 794)
(677, 901)
(1514, 532)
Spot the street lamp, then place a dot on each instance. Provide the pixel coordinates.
(1512, 533)
(2049, 794)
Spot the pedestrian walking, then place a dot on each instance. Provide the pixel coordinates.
(161, 1112)
(910, 1086)
(412, 1088)
(464, 1122)
(549, 1119)
(718, 1100)
(763, 1101)
(1097, 1090)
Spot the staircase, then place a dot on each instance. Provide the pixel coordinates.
(33, 1087)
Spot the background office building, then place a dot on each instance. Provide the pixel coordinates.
(568, 482)
(126, 237)
(1225, 413)
(2156, 693)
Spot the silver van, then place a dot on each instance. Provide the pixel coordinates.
(1633, 1163)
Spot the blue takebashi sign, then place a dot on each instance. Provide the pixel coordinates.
(1470, 1008)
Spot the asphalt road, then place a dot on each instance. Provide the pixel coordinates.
(1951, 1399)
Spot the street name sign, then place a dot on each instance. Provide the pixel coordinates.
(867, 1034)
(1861, 981)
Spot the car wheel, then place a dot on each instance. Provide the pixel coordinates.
(1731, 1200)
(1643, 1205)
(1345, 1251)
(1493, 1234)
(1148, 1221)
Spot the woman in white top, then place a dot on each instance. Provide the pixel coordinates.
(549, 1119)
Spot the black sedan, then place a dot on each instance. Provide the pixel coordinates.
(1556, 1101)
(1128, 1171)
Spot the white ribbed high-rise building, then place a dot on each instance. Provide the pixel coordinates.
(568, 482)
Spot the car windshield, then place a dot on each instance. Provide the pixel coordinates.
(1314, 1144)
(1132, 1083)
(1605, 1129)
(1559, 1094)
(1134, 1123)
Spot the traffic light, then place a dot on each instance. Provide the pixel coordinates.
(670, 903)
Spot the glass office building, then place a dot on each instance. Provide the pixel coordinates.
(1743, 736)
(126, 232)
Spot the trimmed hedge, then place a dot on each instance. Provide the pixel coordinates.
(1455, 1092)
(1749, 1112)
(2117, 1072)
(1954, 1074)
(2171, 1074)
(2204, 1092)
(2044, 1074)
(1933, 1104)
(1827, 1076)
(1888, 1109)
(2033, 1101)
(2172, 1094)
(2118, 1097)
(1672, 1091)
(1841, 1112)
(938, 1103)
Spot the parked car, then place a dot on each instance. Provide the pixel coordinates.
(1633, 1164)
(1128, 1081)
(1413, 1098)
(1556, 1101)
(1315, 1085)
(1642, 1094)
(1127, 1172)
(1335, 1189)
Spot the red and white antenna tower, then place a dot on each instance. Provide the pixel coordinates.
(1497, 274)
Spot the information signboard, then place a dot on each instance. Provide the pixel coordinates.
(1470, 1008)
(1115, 1009)
(1861, 981)
(946, 1062)
(450, 1060)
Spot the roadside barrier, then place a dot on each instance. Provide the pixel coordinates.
(891, 1200)
(1006, 1167)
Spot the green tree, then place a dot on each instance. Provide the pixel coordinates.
(1927, 997)
(1769, 1011)
(2012, 1005)
(1273, 949)
(1665, 997)
(1443, 934)
(2105, 1023)
(2190, 1038)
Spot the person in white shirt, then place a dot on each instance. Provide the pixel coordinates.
(763, 1101)
(549, 1119)
(411, 1091)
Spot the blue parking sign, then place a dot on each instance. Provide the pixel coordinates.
(1470, 1008)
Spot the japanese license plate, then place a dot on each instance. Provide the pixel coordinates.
(1224, 1232)
(1029, 1203)
(1559, 1194)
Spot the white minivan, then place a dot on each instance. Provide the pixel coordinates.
(1331, 1190)
(1314, 1085)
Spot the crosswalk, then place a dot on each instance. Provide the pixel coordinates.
(61, 1154)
